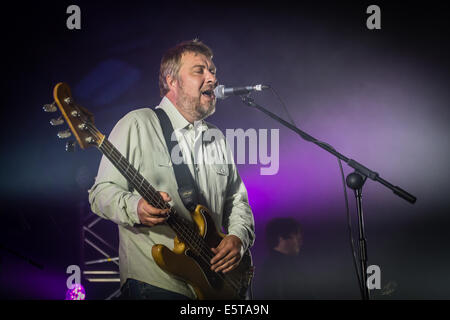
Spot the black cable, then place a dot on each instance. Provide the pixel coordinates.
(349, 220)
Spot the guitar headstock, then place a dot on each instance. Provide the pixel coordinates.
(79, 119)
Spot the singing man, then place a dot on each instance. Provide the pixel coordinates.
(187, 79)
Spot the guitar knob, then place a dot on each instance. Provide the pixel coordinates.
(50, 107)
(64, 134)
(57, 122)
(70, 146)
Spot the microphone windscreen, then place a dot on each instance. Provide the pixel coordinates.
(219, 92)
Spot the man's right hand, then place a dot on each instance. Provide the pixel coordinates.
(151, 216)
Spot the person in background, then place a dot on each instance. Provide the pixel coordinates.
(282, 275)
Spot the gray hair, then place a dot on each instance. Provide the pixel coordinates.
(171, 61)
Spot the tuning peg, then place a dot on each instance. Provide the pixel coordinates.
(70, 146)
(68, 100)
(83, 126)
(50, 107)
(75, 114)
(57, 122)
(64, 134)
(90, 140)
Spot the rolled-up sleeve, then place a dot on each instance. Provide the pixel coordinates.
(111, 196)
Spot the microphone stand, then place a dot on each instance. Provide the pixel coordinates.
(354, 181)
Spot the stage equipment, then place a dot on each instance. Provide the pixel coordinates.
(222, 92)
(355, 181)
(94, 269)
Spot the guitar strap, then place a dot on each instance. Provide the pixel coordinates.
(186, 184)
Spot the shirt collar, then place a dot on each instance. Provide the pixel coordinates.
(177, 119)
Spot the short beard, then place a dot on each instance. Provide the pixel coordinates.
(193, 106)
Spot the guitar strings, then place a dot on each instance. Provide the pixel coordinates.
(199, 241)
(155, 198)
(187, 230)
(190, 235)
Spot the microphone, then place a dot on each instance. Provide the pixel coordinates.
(222, 92)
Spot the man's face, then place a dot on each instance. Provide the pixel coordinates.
(292, 243)
(194, 87)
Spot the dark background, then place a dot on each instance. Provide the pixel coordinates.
(378, 96)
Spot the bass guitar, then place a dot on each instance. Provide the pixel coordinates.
(191, 255)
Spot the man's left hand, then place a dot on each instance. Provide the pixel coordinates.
(227, 254)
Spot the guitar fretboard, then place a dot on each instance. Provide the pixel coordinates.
(134, 178)
(182, 227)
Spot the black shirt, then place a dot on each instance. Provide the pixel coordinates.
(282, 277)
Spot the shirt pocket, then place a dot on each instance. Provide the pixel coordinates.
(162, 158)
(163, 170)
(221, 173)
(221, 169)
(164, 162)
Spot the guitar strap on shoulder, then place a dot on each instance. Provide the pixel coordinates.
(186, 184)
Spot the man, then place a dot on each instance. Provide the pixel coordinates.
(186, 80)
(283, 235)
(283, 275)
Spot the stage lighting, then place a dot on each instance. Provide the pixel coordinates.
(76, 292)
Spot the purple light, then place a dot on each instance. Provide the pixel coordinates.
(76, 292)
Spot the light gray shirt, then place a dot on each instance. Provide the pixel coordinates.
(139, 138)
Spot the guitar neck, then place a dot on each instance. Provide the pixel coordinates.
(134, 178)
(180, 225)
(81, 123)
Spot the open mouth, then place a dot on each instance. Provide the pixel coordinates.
(209, 93)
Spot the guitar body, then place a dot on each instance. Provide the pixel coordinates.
(195, 269)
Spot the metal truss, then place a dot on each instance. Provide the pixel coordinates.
(92, 271)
